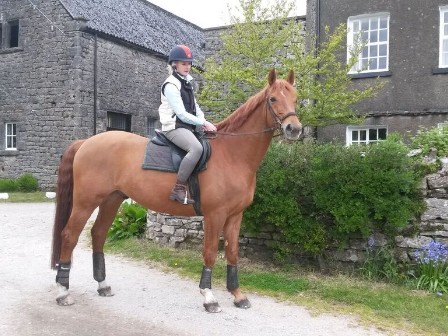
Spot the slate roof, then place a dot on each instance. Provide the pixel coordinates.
(139, 22)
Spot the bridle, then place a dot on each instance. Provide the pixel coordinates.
(278, 124)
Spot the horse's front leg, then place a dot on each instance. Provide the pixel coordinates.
(231, 237)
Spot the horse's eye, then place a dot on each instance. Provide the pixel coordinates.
(272, 99)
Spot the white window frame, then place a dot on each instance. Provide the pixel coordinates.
(374, 56)
(443, 37)
(366, 130)
(11, 136)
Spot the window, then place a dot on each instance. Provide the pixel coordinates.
(443, 53)
(372, 33)
(11, 136)
(364, 135)
(118, 122)
(9, 34)
(13, 35)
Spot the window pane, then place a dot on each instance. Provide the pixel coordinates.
(373, 64)
(383, 22)
(354, 135)
(383, 35)
(363, 134)
(355, 26)
(365, 36)
(382, 50)
(365, 24)
(445, 59)
(373, 134)
(365, 52)
(374, 24)
(445, 45)
(445, 17)
(445, 30)
(382, 133)
(365, 64)
(373, 50)
(373, 36)
(382, 63)
(13, 34)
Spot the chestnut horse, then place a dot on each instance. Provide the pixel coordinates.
(105, 169)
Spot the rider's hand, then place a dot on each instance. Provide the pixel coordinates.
(209, 127)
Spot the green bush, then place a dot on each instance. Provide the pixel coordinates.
(318, 195)
(427, 139)
(130, 221)
(27, 183)
(8, 185)
(367, 189)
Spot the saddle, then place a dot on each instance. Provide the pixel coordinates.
(161, 154)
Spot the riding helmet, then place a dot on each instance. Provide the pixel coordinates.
(180, 53)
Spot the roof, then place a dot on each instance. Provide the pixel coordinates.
(139, 22)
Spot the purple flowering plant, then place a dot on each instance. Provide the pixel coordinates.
(432, 267)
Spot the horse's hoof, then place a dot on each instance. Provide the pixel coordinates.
(212, 307)
(243, 304)
(65, 300)
(105, 291)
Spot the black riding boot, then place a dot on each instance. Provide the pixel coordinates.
(180, 193)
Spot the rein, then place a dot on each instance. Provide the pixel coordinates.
(277, 121)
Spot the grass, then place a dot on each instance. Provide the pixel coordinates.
(32, 197)
(396, 309)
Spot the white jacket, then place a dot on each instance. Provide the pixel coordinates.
(172, 106)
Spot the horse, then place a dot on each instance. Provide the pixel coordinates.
(103, 170)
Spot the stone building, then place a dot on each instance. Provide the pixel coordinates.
(74, 68)
(406, 48)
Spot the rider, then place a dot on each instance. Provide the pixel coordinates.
(179, 115)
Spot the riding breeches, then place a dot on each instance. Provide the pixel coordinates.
(185, 139)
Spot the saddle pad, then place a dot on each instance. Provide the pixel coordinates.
(158, 158)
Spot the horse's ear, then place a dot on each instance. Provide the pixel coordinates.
(272, 76)
(291, 79)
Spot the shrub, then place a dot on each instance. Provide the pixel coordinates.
(283, 198)
(130, 221)
(427, 139)
(27, 183)
(368, 189)
(318, 195)
(8, 185)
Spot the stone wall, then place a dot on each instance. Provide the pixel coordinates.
(433, 225)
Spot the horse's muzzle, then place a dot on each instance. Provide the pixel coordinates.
(292, 131)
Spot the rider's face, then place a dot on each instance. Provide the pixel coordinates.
(183, 68)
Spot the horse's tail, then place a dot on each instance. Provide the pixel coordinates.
(64, 198)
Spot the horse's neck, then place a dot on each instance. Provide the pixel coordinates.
(250, 142)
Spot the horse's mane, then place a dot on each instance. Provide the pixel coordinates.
(235, 120)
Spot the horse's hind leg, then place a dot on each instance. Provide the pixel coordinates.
(70, 235)
(106, 214)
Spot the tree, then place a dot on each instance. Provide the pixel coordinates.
(262, 38)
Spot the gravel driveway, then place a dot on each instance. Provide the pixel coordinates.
(146, 302)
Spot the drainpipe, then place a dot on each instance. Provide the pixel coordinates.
(95, 71)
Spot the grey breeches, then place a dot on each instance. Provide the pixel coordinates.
(186, 140)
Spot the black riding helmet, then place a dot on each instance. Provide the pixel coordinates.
(180, 53)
